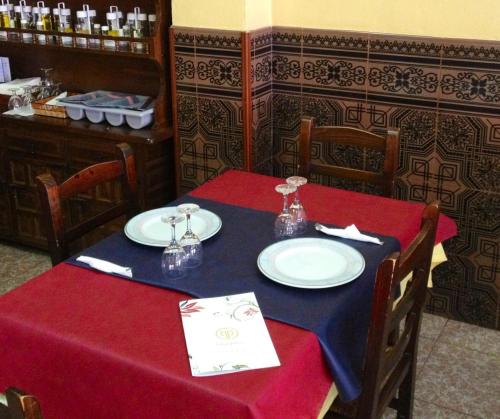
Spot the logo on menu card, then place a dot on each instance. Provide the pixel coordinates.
(227, 333)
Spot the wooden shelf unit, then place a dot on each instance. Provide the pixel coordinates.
(32, 145)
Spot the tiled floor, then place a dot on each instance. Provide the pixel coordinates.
(458, 374)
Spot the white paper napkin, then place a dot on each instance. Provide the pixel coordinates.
(350, 232)
(105, 266)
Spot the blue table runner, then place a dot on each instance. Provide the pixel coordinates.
(339, 316)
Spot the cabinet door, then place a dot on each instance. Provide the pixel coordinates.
(5, 212)
(22, 170)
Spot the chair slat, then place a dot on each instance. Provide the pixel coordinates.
(355, 137)
(52, 195)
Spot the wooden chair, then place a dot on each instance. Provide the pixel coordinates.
(390, 362)
(20, 406)
(52, 196)
(388, 144)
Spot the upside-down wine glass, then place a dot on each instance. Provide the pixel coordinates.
(27, 99)
(172, 259)
(15, 100)
(296, 208)
(190, 242)
(284, 225)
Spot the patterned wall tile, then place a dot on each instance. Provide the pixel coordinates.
(469, 140)
(185, 67)
(218, 62)
(262, 77)
(286, 109)
(459, 294)
(220, 121)
(403, 70)
(199, 161)
(286, 59)
(262, 60)
(262, 139)
(334, 64)
(470, 79)
(476, 215)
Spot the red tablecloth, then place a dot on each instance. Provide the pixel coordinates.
(400, 219)
(89, 345)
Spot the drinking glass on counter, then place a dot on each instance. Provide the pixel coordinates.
(15, 100)
(296, 208)
(284, 225)
(173, 257)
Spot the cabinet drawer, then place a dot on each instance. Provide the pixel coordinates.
(16, 141)
(22, 172)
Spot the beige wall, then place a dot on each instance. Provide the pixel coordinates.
(241, 15)
(475, 19)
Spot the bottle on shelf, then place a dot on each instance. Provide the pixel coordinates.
(25, 21)
(95, 42)
(107, 44)
(139, 31)
(43, 21)
(151, 24)
(65, 24)
(4, 20)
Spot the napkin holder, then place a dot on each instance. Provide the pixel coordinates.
(40, 107)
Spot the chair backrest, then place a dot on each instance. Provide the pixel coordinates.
(348, 136)
(52, 196)
(390, 360)
(20, 406)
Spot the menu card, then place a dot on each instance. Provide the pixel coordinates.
(226, 334)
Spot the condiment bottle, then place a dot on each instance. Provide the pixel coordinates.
(81, 27)
(4, 20)
(139, 31)
(107, 43)
(43, 21)
(113, 23)
(65, 24)
(25, 21)
(151, 25)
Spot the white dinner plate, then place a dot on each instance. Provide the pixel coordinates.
(147, 227)
(311, 263)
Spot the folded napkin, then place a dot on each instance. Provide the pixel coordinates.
(350, 232)
(105, 266)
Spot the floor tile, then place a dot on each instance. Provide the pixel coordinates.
(425, 346)
(471, 337)
(425, 410)
(20, 264)
(461, 379)
(432, 325)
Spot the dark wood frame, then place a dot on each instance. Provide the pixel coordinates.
(52, 195)
(20, 405)
(391, 352)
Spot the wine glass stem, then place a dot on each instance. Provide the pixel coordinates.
(188, 223)
(285, 204)
(172, 241)
(296, 200)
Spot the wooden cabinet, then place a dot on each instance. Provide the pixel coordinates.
(34, 145)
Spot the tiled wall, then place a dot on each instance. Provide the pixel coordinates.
(444, 95)
(208, 72)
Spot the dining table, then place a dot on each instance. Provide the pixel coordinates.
(90, 344)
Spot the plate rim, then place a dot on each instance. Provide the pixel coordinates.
(284, 282)
(126, 228)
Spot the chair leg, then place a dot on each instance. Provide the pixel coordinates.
(405, 396)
